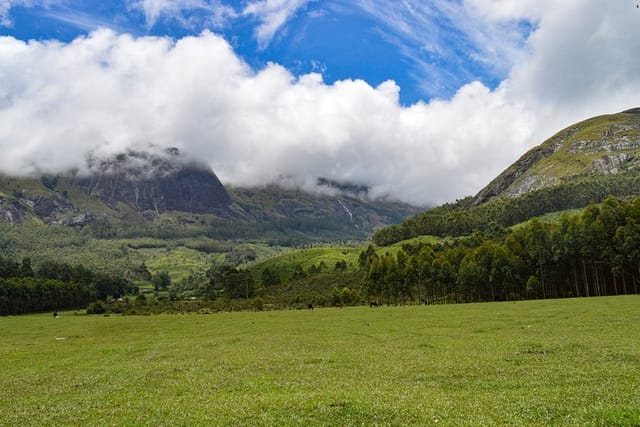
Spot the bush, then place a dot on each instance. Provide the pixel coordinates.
(96, 307)
(258, 304)
(533, 287)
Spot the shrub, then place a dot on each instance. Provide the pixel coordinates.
(258, 304)
(96, 307)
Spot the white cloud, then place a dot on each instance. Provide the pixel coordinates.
(502, 10)
(215, 13)
(5, 8)
(272, 14)
(470, 36)
(106, 92)
(252, 127)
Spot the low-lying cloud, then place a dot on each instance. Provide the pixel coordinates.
(108, 92)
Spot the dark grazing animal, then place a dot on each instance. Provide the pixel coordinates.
(373, 304)
(310, 306)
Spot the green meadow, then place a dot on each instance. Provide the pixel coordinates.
(552, 362)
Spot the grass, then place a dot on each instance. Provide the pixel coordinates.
(565, 162)
(287, 261)
(179, 257)
(556, 362)
(419, 240)
(179, 262)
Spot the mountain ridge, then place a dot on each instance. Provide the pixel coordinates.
(167, 189)
(581, 164)
(606, 144)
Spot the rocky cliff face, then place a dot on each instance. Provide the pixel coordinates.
(155, 183)
(604, 145)
(149, 184)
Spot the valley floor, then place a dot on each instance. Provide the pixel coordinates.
(553, 362)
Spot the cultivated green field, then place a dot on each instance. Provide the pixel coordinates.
(554, 362)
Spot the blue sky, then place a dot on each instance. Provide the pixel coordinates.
(422, 48)
(423, 100)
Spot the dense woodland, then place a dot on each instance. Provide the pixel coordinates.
(594, 253)
(463, 217)
(54, 286)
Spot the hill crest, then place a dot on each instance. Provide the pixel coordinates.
(602, 145)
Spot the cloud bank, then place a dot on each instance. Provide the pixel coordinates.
(107, 92)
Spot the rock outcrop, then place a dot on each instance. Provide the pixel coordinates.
(603, 145)
(155, 182)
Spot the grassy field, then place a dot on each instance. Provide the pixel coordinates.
(556, 362)
(287, 261)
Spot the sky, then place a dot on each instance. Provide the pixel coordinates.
(423, 101)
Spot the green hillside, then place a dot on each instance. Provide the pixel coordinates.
(603, 145)
(269, 214)
(113, 221)
(581, 164)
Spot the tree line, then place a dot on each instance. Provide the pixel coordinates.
(593, 253)
(54, 286)
(464, 217)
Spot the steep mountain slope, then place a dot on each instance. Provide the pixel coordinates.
(127, 189)
(155, 183)
(275, 204)
(581, 164)
(603, 145)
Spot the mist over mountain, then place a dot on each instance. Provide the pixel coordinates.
(170, 190)
(106, 91)
(357, 190)
(155, 181)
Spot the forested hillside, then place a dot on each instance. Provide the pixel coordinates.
(582, 164)
(593, 253)
(463, 217)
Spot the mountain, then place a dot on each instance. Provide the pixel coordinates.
(155, 182)
(164, 192)
(357, 190)
(582, 164)
(131, 186)
(345, 209)
(603, 145)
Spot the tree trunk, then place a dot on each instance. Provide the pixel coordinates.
(596, 277)
(586, 280)
(544, 296)
(575, 278)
